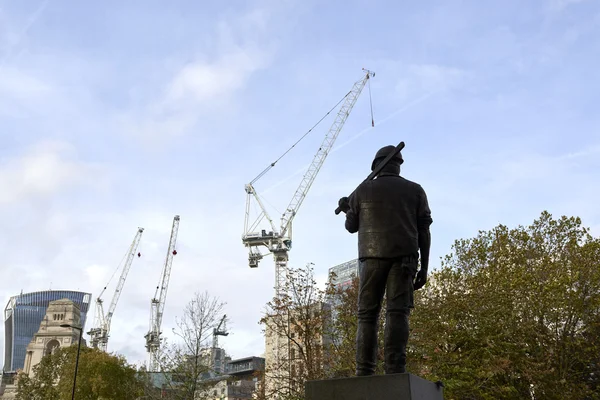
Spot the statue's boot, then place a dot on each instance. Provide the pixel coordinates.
(366, 348)
(396, 338)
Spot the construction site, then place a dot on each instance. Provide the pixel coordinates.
(261, 236)
(299, 200)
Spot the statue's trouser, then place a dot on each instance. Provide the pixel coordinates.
(376, 277)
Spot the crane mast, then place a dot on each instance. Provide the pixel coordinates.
(157, 304)
(101, 330)
(217, 354)
(279, 242)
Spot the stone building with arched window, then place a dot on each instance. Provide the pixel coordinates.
(51, 336)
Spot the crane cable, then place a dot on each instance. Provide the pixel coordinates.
(298, 141)
(113, 274)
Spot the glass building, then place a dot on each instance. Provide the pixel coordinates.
(344, 273)
(22, 318)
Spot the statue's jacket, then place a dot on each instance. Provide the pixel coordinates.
(388, 213)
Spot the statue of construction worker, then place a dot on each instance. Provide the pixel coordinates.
(392, 217)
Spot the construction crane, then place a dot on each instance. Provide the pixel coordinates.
(157, 304)
(220, 330)
(217, 354)
(279, 241)
(101, 330)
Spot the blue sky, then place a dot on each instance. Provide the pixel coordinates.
(114, 116)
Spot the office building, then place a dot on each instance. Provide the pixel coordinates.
(286, 350)
(22, 318)
(344, 273)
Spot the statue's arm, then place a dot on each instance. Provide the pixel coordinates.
(352, 213)
(424, 220)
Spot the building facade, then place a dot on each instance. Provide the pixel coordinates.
(22, 318)
(216, 358)
(240, 382)
(302, 336)
(50, 335)
(344, 273)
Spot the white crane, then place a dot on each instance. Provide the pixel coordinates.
(157, 304)
(101, 330)
(279, 241)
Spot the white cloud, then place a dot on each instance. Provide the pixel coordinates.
(208, 84)
(202, 82)
(45, 169)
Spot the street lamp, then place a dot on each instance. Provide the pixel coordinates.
(80, 329)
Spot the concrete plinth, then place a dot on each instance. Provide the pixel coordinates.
(375, 387)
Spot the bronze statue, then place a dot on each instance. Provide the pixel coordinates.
(392, 217)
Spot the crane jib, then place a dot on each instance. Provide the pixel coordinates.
(278, 241)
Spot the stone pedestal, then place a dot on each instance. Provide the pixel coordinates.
(375, 387)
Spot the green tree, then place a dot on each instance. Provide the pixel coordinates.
(513, 314)
(100, 376)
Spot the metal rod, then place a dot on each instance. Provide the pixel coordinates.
(377, 169)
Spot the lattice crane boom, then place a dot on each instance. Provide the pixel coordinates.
(157, 304)
(321, 155)
(279, 242)
(101, 330)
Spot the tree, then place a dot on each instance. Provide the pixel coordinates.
(299, 317)
(187, 364)
(513, 314)
(100, 376)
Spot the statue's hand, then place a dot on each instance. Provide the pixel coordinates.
(344, 204)
(421, 279)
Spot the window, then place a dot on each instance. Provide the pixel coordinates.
(51, 347)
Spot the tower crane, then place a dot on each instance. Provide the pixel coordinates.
(101, 330)
(220, 330)
(217, 354)
(157, 304)
(279, 241)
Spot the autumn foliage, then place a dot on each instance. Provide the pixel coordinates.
(99, 376)
(510, 314)
(513, 314)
